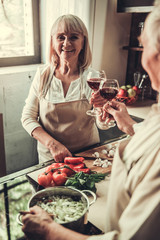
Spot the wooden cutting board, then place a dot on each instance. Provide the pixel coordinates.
(90, 152)
(89, 163)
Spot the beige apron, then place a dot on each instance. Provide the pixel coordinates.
(68, 123)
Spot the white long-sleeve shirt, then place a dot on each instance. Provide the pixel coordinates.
(54, 94)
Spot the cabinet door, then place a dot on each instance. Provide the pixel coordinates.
(134, 5)
(134, 56)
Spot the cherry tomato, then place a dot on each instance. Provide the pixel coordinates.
(73, 160)
(67, 171)
(50, 176)
(44, 179)
(56, 165)
(48, 168)
(59, 178)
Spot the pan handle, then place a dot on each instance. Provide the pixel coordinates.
(93, 195)
(18, 219)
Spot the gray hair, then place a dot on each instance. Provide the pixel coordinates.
(152, 27)
(72, 23)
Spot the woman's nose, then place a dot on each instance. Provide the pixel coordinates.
(67, 42)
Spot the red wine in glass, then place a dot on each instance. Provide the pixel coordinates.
(109, 90)
(94, 78)
(94, 83)
(108, 93)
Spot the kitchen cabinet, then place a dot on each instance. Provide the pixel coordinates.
(134, 5)
(134, 50)
(134, 66)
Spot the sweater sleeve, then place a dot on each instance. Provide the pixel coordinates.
(30, 111)
(143, 184)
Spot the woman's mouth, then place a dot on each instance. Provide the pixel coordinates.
(65, 50)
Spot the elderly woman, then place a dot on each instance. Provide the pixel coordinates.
(55, 110)
(133, 206)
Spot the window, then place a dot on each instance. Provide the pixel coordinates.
(19, 38)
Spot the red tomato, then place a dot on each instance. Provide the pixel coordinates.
(56, 165)
(67, 171)
(44, 180)
(50, 176)
(48, 168)
(59, 178)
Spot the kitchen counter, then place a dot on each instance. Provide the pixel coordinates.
(97, 212)
(140, 108)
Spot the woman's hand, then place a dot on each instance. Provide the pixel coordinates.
(59, 151)
(119, 112)
(35, 224)
(96, 100)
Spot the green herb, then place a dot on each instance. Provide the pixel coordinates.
(83, 180)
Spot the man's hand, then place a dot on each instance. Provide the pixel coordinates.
(120, 114)
(35, 224)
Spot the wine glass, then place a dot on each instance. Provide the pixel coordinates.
(108, 90)
(94, 78)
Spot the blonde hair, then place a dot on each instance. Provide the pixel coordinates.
(71, 23)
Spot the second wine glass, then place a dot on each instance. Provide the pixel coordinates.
(94, 78)
(109, 90)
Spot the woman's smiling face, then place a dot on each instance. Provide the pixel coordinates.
(67, 45)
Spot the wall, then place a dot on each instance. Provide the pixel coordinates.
(111, 33)
(20, 148)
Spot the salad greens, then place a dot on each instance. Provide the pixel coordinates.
(84, 181)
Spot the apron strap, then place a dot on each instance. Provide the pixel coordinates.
(82, 89)
(46, 87)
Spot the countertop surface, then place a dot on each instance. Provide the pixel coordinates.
(140, 108)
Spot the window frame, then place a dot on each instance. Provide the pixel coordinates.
(36, 58)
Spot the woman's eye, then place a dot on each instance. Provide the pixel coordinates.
(61, 37)
(74, 38)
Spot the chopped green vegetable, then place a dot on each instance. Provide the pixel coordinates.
(83, 180)
(64, 208)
